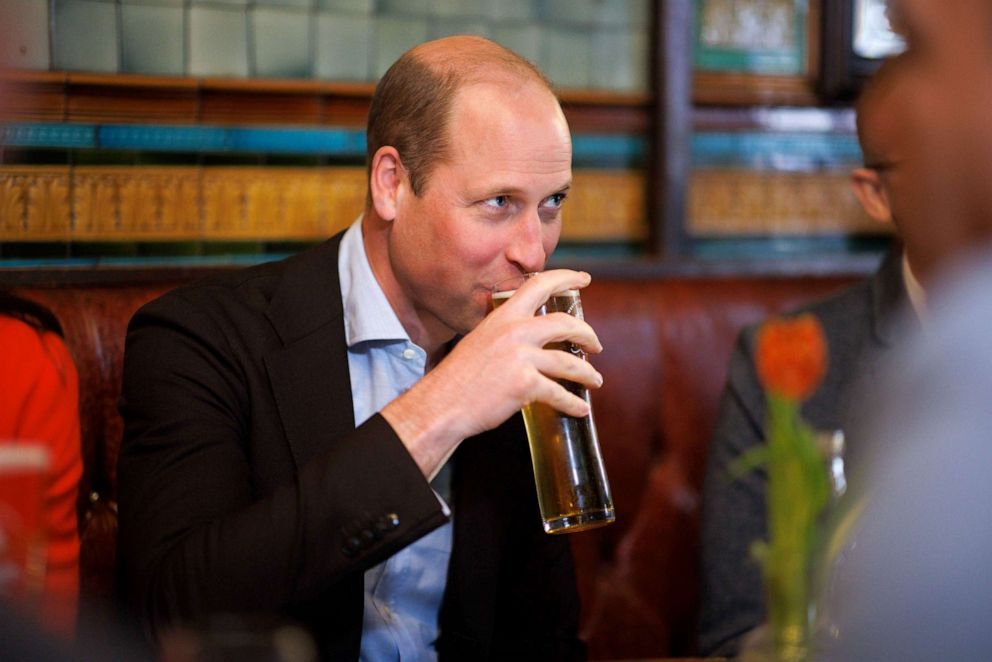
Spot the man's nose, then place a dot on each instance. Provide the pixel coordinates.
(526, 246)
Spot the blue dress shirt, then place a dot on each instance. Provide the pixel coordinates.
(403, 594)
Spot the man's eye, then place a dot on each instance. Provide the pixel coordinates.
(554, 201)
(498, 201)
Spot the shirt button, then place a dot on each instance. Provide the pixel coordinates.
(409, 353)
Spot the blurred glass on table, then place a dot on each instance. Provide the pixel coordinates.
(23, 471)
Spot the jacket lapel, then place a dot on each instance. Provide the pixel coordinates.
(889, 301)
(309, 374)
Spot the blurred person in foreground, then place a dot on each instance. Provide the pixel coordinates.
(40, 404)
(910, 580)
(288, 427)
(862, 324)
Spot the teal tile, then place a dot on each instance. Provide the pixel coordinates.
(571, 12)
(620, 60)
(344, 46)
(25, 41)
(444, 27)
(461, 8)
(298, 4)
(565, 57)
(86, 36)
(173, 3)
(152, 39)
(394, 36)
(354, 6)
(519, 10)
(524, 39)
(218, 42)
(50, 135)
(162, 138)
(405, 7)
(622, 13)
(282, 43)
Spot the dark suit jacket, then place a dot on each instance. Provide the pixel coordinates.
(860, 324)
(245, 487)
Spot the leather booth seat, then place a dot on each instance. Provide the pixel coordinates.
(667, 342)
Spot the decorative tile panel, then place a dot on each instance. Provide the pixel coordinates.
(605, 205)
(740, 202)
(34, 203)
(183, 203)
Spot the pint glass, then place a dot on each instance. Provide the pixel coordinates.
(572, 489)
(23, 470)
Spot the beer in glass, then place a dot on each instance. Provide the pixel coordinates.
(572, 489)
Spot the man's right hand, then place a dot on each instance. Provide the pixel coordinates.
(497, 369)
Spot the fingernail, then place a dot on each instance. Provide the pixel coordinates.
(599, 379)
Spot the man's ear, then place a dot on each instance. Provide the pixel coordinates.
(867, 185)
(385, 180)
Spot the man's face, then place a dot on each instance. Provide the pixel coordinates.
(946, 90)
(490, 211)
(891, 148)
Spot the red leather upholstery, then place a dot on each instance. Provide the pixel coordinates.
(95, 319)
(667, 343)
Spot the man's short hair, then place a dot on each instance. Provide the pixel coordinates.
(411, 106)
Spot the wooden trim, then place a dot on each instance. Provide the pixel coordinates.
(672, 140)
(844, 72)
(734, 89)
(123, 98)
(845, 267)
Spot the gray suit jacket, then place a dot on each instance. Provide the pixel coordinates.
(860, 324)
(244, 485)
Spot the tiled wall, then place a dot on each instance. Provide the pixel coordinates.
(599, 44)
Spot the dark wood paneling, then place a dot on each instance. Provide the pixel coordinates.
(672, 128)
(60, 96)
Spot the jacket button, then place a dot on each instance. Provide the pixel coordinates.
(351, 546)
(387, 522)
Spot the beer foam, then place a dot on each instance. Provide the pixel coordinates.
(506, 294)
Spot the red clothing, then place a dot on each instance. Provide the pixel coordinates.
(40, 402)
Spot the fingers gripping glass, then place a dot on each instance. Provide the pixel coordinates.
(572, 488)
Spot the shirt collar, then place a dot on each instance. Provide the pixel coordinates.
(917, 295)
(367, 313)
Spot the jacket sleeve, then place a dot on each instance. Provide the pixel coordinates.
(204, 528)
(733, 513)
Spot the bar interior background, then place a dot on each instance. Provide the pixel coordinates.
(710, 135)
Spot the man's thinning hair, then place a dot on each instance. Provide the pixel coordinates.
(411, 107)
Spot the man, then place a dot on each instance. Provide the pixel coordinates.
(861, 325)
(283, 424)
(911, 581)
